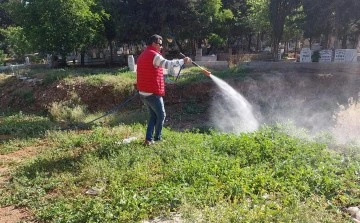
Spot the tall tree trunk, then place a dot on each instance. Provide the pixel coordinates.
(63, 62)
(249, 43)
(111, 53)
(82, 58)
(296, 43)
(276, 49)
(179, 45)
(343, 41)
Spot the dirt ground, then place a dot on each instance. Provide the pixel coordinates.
(12, 214)
(310, 95)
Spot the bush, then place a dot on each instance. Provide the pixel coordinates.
(315, 56)
(68, 111)
(2, 57)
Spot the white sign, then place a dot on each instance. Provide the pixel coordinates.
(131, 63)
(325, 56)
(339, 55)
(345, 55)
(305, 55)
(351, 56)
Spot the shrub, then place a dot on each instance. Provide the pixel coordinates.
(2, 57)
(315, 56)
(68, 111)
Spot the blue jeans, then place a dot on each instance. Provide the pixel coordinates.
(155, 106)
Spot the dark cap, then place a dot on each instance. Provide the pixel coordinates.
(153, 39)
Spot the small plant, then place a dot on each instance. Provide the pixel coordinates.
(25, 94)
(315, 56)
(22, 126)
(2, 57)
(68, 111)
(192, 107)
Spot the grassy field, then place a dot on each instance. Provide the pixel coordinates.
(105, 174)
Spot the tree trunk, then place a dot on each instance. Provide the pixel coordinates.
(63, 62)
(179, 45)
(82, 60)
(111, 53)
(276, 49)
(343, 41)
(295, 53)
(249, 43)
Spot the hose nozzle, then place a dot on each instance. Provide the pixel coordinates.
(206, 72)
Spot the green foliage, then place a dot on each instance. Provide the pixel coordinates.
(24, 126)
(69, 111)
(216, 41)
(25, 94)
(315, 56)
(2, 57)
(17, 43)
(192, 107)
(265, 176)
(58, 26)
(117, 77)
(258, 16)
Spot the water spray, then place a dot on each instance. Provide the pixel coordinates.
(206, 72)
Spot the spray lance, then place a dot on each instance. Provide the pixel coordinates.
(206, 72)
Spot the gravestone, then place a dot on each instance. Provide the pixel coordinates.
(305, 55)
(131, 63)
(198, 55)
(27, 61)
(325, 56)
(340, 55)
(351, 56)
(345, 56)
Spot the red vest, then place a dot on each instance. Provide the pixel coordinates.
(149, 78)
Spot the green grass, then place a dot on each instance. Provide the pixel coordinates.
(22, 126)
(276, 174)
(265, 176)
(193, 74)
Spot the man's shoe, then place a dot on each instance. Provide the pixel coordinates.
(148, 143)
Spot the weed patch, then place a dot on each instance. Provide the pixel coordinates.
(265, 176)
(68, 111)
(25, 126)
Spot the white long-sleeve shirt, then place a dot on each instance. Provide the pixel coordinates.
(160, 61)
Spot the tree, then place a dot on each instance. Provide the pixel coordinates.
(58, 26)
(17, 44)
(109, 22)
(182, 19)
(339, 18)
(258, 19)
(279, 10)
(5, 19)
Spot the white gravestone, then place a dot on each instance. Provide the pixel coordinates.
(340, 55)
(131, 63)
(305, 55)
(325, 56)
(345, 56)
(351, 56)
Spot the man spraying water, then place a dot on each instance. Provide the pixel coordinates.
(231, 112)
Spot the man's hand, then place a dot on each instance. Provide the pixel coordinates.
(187, 60)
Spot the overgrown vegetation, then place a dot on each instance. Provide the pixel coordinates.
(106, 174)
(265, 176)
(71, 110)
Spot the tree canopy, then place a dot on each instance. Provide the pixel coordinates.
(57, 26)
(62, 26)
